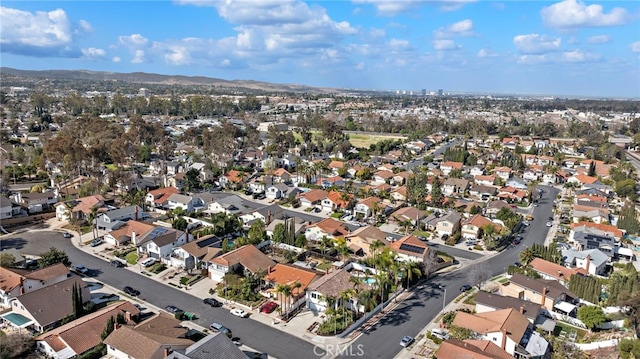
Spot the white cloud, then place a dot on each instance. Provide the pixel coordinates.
(460, 28)
(486, 53)
(85, 26)
(396, 7)
(360, 66)
(41, 34)
(569, 14)
(377, 33)
(178, 55)
(116, 59)
(397, 43)
(133, 40)
(599, 39)
(579, 56)
(536, 43)
(442, 45)
(566, 57)
(392, 7)
(635, 46)
(139, 57)
(93, 53)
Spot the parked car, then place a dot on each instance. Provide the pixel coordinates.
(465, 287)
(173, 309)
(440, 334)
(67, 235)
(269, 307)
(132, 292)
(236, 341)
(406, 341)
(239, 313)
(148, 262)
(549, 224)
(219, 328)
(212, 302)
(82, 269)
(96, 242)
(118, 264)
(445, 236)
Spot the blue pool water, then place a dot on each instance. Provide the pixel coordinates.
(369, 280)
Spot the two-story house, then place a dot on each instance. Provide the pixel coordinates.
(15, 282)
(448, 224)
(473, 227)
(369, 207)
(547, 293)
(157, 198)
(454, 186)
(313, 198)
(160, 242)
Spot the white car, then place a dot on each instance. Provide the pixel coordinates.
(239, 312)
(148, 262)
(440, 334)
(548, 224)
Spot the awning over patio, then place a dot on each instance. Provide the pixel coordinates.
(17, 320)
(565, 307)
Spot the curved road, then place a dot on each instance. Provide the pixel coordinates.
(381, 341)
(412, 315)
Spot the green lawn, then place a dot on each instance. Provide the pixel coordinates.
(131, 258)
(324, 266)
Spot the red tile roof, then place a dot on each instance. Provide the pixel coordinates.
(161, 195)
(552, 269)
(248, 256)
(287, 274)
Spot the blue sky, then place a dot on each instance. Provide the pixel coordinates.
(568, 48)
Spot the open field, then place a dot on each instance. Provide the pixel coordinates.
(358, 140)
(364, 141)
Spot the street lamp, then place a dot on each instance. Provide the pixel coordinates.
(444, 298)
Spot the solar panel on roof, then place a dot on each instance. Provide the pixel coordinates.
(411, 248)
(157, 232)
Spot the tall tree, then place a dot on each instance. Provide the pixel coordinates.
(53, 256)
(479, 274)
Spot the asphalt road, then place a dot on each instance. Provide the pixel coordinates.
(412, 315)
(381, 341)
(254, 334)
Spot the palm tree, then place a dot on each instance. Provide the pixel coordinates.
(326, 242)
(341, 246)
(284, 291)
(91, 217)
(412, 271)
(367, 299)
(331, 304)
(374, 247)
(526, 256)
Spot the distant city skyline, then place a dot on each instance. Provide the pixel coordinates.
(562, 48)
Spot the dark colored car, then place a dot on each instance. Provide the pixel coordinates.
(118, 264)
(465, 287)
(212, 302)
(269, 307)
(173, 309)
(132, 292)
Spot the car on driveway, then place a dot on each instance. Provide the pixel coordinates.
(96, 242)
(406, 341)
(173, 309)
(465, 287)
(268, 307)
(440, 334)
(148, 262)
(118, 264)
(239, 313)
(132, 292)
(212, 302)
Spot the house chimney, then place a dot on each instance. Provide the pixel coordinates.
(269, 217)
(133, 237)
(544, 296)
(167, 351)
(522, 310)
(127, 317)
(504, 339)
(587, 263)
(269, 269)
(136, 215)
(115, 326)
(21, 285)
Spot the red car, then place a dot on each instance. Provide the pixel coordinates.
(269, 307)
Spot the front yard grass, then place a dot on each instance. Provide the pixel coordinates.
(324, 266)
(131, 258)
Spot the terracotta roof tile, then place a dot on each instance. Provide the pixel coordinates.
(287, 274)
(552, 269)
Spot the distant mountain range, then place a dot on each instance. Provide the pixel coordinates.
(143, 77)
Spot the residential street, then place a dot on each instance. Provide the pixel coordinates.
(380, 341)
(413, 314)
